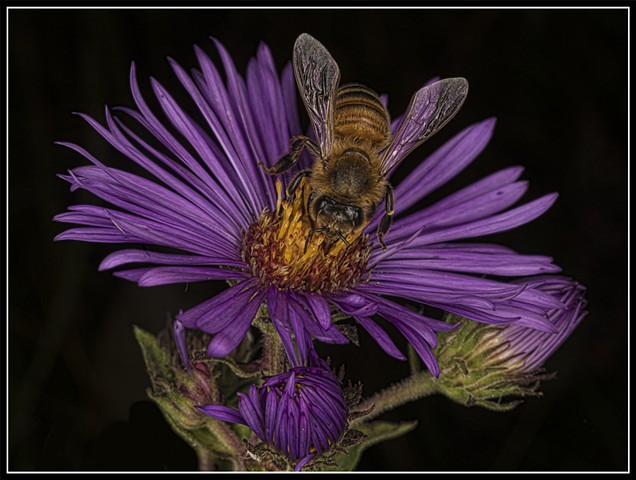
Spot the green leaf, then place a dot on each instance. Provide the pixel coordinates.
(375, 432)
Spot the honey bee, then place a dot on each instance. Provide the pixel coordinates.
(356, 151)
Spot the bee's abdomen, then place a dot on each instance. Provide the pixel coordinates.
(359, 113)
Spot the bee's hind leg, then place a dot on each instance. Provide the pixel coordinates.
(296, 146)
(387, 218)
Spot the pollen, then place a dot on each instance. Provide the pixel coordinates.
(282, 250)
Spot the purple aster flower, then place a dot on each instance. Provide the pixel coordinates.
(208, 211)
(301, 413)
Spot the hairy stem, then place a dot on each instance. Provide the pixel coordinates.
(205, 460)
(230, 439)
(417, 386)
(274, 357)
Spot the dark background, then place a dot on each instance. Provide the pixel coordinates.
(556, 80)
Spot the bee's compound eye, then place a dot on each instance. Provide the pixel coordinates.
(352, 212)
(325, 204)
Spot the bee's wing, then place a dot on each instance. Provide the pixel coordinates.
(429, 110)
(317, 76)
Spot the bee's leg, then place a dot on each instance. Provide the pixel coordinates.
(344, 240)
(387, 218)
(286, 162)
(293, 185)
(310, 235)
(306, 206)
(347, 245)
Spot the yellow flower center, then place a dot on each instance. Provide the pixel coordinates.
(282, 250)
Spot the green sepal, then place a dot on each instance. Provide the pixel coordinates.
(373, 433)
(489, 399)
(202, 433)
(351, 332)
(177, 392)
(478, 367)
(177, 409)
(157, 359)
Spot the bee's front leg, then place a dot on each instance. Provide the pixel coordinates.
(296, 146)
(295, 182)
(387, 218)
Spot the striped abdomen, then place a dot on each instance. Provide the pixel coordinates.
(359, 113)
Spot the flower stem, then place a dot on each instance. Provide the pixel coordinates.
(273, 360)
(205, 460)
(231, 440)
(417, 386)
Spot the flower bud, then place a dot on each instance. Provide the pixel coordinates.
(483, 363)
(300, 413)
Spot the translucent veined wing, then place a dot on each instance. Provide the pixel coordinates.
(429, 110)
(317, 76)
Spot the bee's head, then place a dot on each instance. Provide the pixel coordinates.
(335, 216)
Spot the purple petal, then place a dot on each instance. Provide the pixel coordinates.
(85, 215)
(118, 140)
(278, 306)
(123, 257)
(318, 307)
(497, 223)
(219, 203)
(212, 315)
(423, 348)
(250, 408)
(288, 89)
(330, 335)
(220, 412)
(179, 336)
(162, 134)
(194, 134)
(486, 204)
(155, 209)
(494, 263)
(152, 277)
(298, 326)
(235, 328)
(354, 304)
(474, 191)
(271, 407)
(441, 281)
(304, 426)
(267, 97)
(418, 329)
(238, 98)
(444, 164)
(96, 235)
(235, 146)
(380, 336)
